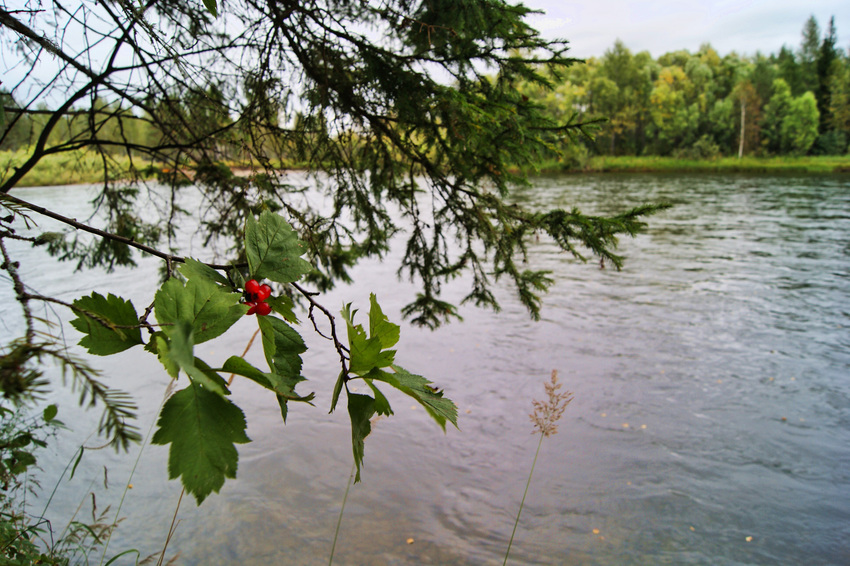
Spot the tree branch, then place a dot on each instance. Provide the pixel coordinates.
(108, 235)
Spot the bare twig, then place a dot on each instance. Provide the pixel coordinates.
(340, 348)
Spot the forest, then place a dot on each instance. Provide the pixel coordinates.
(704, 105)
(683, 105)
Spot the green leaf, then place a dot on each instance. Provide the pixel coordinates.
(180, 352)
(274, 250)
(50, 413)
(360, 409)
(382, 405)
(284, 408)
(282, 346)
(159, 346)
(77, 462)
(194, 269)
(212, 7)
(440, 408)
(379, 325)
(202, 428)
(366, 353)
(283, 306)
(340, 381)
(210, 308)
(99, 317)
(239, 366)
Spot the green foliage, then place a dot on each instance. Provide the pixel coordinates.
(209, 308)
(667, 105)
(800, 128)
(775, 113)
(394, 150)
(202, 428)
(110, 324)
(370, 356)
(200, 425)
(25, 539)
(273, 249)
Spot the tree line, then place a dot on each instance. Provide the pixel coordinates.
(682, 104)
(702, 105)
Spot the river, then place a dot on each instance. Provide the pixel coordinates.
(710, 425)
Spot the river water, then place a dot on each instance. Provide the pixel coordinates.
(711, 420)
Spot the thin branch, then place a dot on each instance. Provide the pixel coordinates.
(108, 235)
(20, 291)
(340, 348)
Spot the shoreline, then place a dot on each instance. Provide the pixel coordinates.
(755, 165)
(813, 165)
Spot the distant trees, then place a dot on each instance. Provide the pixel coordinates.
(701, 104)
(657, 107)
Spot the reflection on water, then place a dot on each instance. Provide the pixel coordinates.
(711, 420)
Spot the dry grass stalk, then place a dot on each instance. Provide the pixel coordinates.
(547, 413)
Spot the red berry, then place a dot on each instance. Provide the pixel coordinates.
(264, 292)
(251, 287)
(253, 308)
(263, 309)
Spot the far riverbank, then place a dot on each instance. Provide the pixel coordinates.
(86, 167)
(655, 164)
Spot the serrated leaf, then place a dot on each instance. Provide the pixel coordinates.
(283, 306)
(360, 409)
(159, 346)
(282, 346)
(382, 404)
(102, 335)
(440, 408)
(379, 325)
(274, 250)
(210, 308)
(240, 366)
(202, 428)
(194, 269)
(365, 353)
(180, 351)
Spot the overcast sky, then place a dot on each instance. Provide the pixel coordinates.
(659, 26)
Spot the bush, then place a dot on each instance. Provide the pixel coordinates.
(833, 142)
(702, 149)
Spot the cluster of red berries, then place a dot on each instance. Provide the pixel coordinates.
(255, 298)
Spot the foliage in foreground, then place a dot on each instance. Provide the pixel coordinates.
(394, 150)
(25, 538)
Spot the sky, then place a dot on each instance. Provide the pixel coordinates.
(661, 26)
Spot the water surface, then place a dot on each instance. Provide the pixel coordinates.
(711, 420)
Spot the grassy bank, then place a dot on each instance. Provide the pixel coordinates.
(87, 167)
(631, 164)
(65, 168)
(83, 167)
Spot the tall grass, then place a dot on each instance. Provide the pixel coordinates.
(545, 417)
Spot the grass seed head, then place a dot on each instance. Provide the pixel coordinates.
(546, 413)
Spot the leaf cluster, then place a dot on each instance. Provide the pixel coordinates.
(199, 423)
(371, 359)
